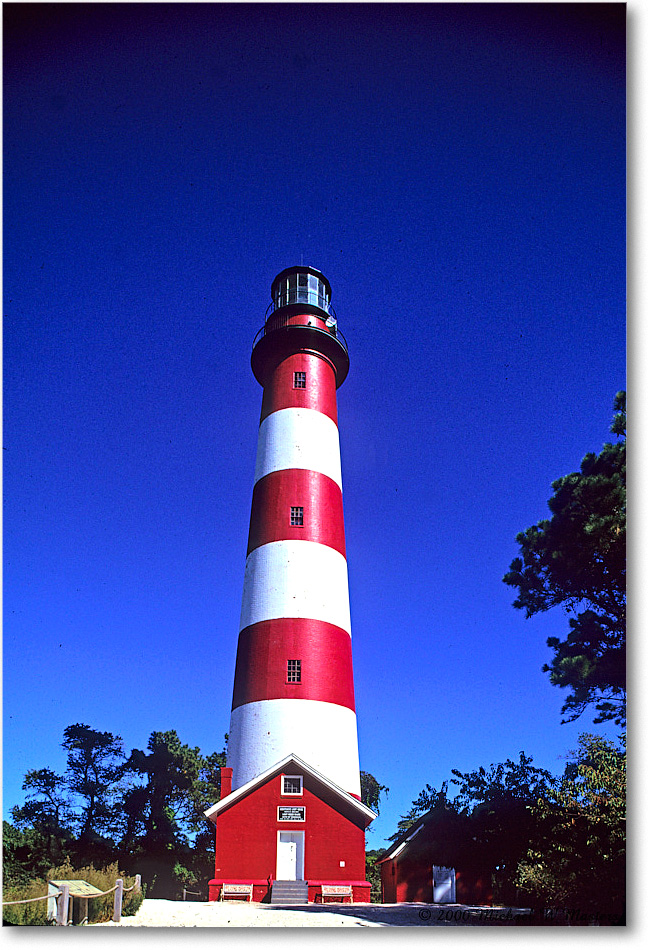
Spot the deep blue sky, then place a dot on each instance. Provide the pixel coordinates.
(458, 173)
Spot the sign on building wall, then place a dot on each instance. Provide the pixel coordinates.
(291, 812)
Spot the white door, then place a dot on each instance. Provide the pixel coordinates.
(444, 885)
(287, 857)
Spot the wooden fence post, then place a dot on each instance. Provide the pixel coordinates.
(117, 903)
(62, 902)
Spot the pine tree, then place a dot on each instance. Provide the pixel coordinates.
(576, 559)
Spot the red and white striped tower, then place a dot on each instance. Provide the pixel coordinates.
(293, 689)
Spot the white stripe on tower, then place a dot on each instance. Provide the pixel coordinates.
(295, 579)
(298, 438)
(262, 733)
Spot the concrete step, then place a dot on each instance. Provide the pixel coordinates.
(289, 892)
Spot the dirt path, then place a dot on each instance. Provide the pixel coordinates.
(160, 913)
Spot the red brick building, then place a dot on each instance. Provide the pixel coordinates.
(289, 823)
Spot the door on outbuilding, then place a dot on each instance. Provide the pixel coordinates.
(444, 885)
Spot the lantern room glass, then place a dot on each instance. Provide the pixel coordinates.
(301, 287)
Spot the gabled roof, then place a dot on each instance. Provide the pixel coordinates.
(291, 760)
(399, 845)
(441, 828)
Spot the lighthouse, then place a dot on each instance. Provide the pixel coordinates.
(291, 786)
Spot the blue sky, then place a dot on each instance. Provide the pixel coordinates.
(458, 173)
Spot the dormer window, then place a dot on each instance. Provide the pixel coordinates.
(292, 784)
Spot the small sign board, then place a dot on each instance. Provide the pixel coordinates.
(79, 888)
(291, 812)
(76, 889)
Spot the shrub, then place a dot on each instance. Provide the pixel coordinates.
(373, 875)
(26, 915)
(99, 908)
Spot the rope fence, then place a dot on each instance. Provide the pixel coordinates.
(62, 899)
(29, 900)
(194, 893)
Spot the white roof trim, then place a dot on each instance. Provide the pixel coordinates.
(413, 834)
(400, 847)
(397, 850)
(212, 812)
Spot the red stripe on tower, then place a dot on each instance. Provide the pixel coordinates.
(297, 504)
(282, 392)
(261, 669)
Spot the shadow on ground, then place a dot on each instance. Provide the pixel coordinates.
(416, 915)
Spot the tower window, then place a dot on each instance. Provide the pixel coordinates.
(299, 380)
(292, 784)
(297, 517)
(294, 671)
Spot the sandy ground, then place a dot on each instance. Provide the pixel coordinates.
(160, 913)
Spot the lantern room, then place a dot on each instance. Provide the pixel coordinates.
(301, 285)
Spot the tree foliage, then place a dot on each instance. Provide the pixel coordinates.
(95, 767)
(497, 800)
(165, 824)
(371, 791)
(553, 841)
(576, 857)
(44, 834)
(576, 559)
(507, 781)
(373, 875)
(503, 782)
(169, 769)
(145, 811)
(488, 822)
(46, 804)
